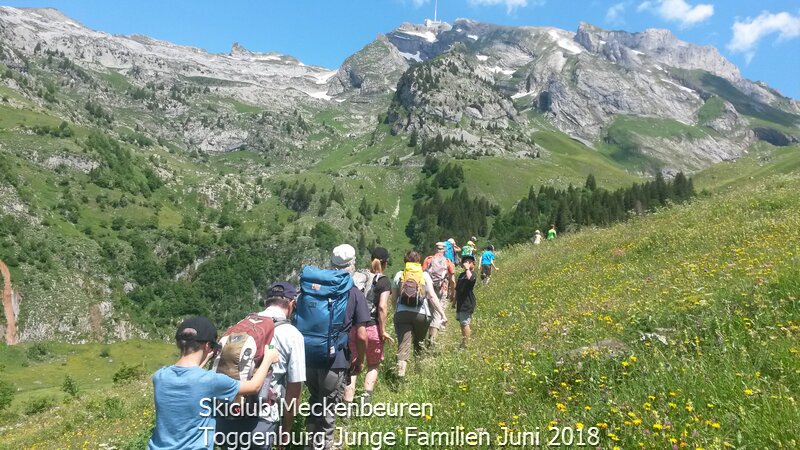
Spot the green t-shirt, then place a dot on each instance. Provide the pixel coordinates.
(551, 234)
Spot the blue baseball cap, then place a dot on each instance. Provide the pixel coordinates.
(282, 289)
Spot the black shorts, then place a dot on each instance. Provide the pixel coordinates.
(486, 270)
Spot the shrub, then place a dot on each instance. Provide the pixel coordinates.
(7, 392)
(113, 408)
(37, 405)
(38, 352)
(105, 352)
(70, 386)
(127, 374)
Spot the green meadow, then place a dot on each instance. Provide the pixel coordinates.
(675, 329)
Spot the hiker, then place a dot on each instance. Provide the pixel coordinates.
(328, 307)
(285, 385)
(537, 237)
(468, 250)
(377, 289)
(487, 264)
(443, 274)
(465, 298)
(451, 250)
(184, 392)
(415, 305)
(551, 233)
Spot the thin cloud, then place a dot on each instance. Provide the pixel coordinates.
(511, 5)
(678, 11)
(616, 13)
(748, 33)
(418, 3)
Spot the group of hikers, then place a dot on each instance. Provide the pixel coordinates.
(551, 235)
(321, 335)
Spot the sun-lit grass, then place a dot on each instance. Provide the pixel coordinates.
(697, 305)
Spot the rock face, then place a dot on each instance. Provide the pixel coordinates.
(374, 70)
(660, 45)
(485, 78)
(582, 81)
(265, 78)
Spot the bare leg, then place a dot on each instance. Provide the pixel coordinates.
(350, 389)
(432, 332)
(371, 379)
(466, 333)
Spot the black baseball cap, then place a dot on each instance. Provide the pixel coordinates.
(380, 253)
(282, 289)
(199, 329)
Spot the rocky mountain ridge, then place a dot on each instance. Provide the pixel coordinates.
(580, 81)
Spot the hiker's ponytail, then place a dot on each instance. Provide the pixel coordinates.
(376, 266)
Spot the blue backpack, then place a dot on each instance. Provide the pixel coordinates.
(320, 313)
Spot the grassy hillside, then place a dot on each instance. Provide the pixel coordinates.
(692, 294)
(616, 332)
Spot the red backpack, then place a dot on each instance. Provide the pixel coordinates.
(242, 352)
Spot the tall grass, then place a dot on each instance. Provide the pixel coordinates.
(676, 330)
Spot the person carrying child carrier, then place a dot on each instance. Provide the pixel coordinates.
(415, 305)
(377, 289)
(328, 307)
(442, 272)
(286, 383)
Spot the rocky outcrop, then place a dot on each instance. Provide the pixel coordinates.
(269, 79)
(451, 89)
(374, 70)
(659, 45)
(774, 137)
(72, 162)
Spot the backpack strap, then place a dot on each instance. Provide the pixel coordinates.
(281, 322)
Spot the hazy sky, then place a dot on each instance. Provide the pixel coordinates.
(761, 37)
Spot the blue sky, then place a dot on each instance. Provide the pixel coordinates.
(761, 37)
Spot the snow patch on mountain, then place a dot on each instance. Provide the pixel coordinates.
(427, 35)
(416, 57)
(564, 42)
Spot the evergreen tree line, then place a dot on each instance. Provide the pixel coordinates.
(296, 196)
(449, 177)
(437, 218)
(572, 208)
(120, 168)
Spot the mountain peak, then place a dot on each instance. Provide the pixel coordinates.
(659, 44)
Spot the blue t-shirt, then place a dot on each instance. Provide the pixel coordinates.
(183, 396)
(487, 257)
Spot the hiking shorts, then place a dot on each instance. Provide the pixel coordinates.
(486, 270)
(464, 318)
(374, 345)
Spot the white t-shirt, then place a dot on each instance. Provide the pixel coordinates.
(424, 308)
(291, 367)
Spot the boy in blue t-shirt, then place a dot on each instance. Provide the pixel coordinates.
(487, 264)
(184, 393)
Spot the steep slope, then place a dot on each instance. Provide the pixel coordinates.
(156, 171)
(584, 81)
(612, 334)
